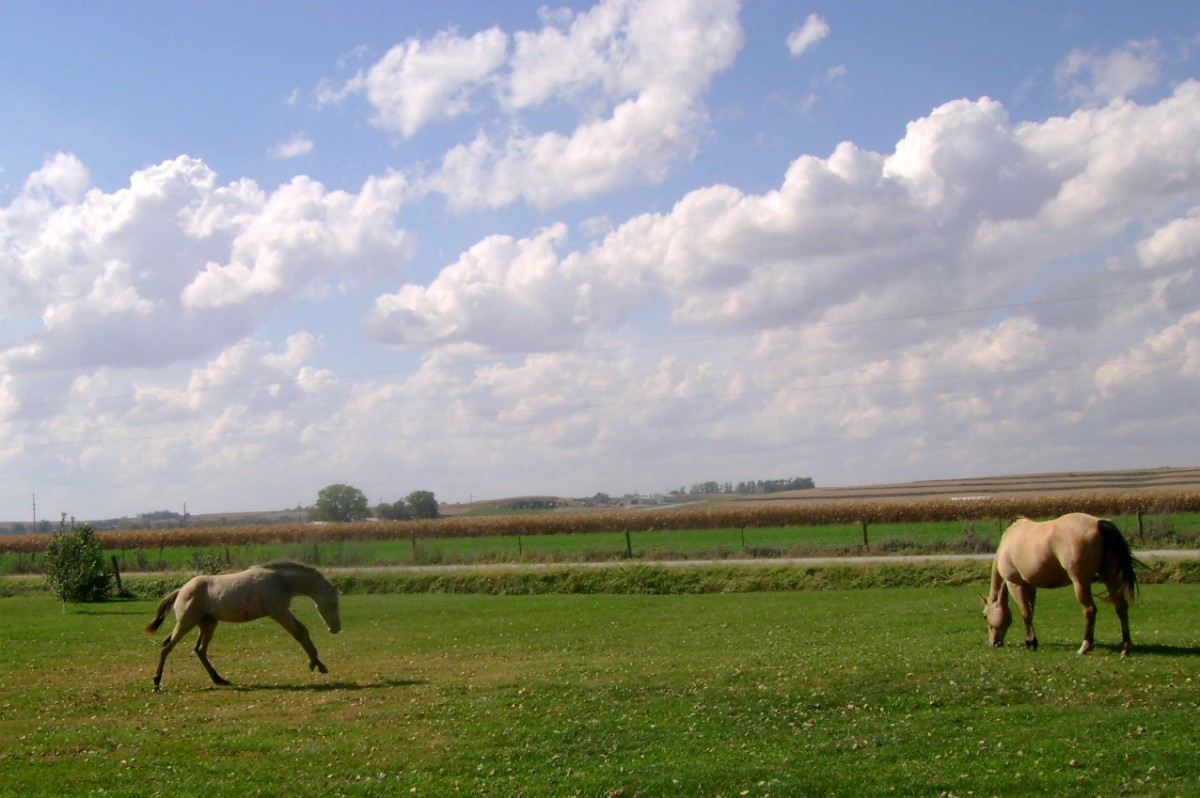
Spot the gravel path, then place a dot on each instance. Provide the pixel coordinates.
(1163, 554)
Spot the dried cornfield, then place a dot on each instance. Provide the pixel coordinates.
(730, 515)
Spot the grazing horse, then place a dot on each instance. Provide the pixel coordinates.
(245, 596)
(1071, 550)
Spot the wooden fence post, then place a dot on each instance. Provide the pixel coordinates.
(117, 574)
(628, 546)
(864, 531)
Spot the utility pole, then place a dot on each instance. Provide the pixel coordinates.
(35, 512)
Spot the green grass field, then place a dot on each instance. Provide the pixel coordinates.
(1177, 530)
(841, 693)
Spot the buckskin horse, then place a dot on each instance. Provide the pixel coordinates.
(1072, 550)
(261, 590)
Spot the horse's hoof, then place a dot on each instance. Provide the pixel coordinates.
(998, 644)
(1085, 648)
(1031, 644)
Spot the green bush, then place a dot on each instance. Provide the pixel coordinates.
(75, 566)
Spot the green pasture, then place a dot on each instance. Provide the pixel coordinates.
(592, 546)
(825, 692)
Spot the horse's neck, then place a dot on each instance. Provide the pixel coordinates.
(304, 583)
(314, 587)
(999, 590)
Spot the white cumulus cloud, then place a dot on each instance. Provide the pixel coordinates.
(177, 265)
(294, 147)
(419, 82)
(1095, 78)
(875, 288)
(634, 74)
(812, 31)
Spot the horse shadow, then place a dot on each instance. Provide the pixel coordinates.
(319, 687)
(1139, 650)
(108, 610)
(1159, 650)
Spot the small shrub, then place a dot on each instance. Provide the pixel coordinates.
(973, 543)
(207, 563)
(75, 566)
(901, 545)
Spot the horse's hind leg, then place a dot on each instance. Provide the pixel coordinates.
(207, 627)
(1083, 592)
(1121, 604)
(181, 629)
(1122, 607)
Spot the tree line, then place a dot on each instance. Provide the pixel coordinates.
(757, 486)
(343, 503)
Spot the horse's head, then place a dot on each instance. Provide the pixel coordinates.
(327, 606)
(999, 618)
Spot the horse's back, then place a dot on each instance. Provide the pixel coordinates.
(238, 597)
(1047, 553)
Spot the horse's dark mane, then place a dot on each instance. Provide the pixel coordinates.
(289, 565)
(297, 568)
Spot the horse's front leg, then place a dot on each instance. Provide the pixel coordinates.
(1083, 592)
(207, 627)
(1026, 596)
(300, 632)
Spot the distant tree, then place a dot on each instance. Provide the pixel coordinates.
(340, 503)
(756, 486)
(393, 511)
(777, 485)
(75, 565)
(422, 504)
(161, 515)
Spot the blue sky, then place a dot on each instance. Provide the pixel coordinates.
(483, 249)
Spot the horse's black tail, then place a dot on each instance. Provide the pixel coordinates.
(161, 613)
(1117, 547)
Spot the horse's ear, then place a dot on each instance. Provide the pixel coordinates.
(983, 598)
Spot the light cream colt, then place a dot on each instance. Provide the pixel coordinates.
(1072, 550)
(261, 590)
